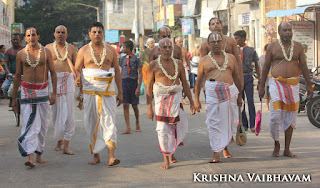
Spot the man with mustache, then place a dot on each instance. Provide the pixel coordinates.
(64, 57)
(222, 82)
(229, 45)
(98, 63)
(285, 60)
(35, 62)
(166, 81)
(165, 32)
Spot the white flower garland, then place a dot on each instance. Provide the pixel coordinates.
(57, 53)
(104, 53)
(165, 72)
(225, 64)
(284, 52)
(38, 58)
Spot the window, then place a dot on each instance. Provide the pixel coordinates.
(115, 6)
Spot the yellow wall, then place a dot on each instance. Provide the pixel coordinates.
(11, 4)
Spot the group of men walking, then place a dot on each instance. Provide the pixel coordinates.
(222, 71)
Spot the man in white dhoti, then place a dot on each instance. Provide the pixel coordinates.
(35, 62)
(166, 81)
(64, 57)
(287, 60)
(100, 71)
(222, 88)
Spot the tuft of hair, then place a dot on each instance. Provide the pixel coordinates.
(97, 24)
(128, 44)
(215, 18)
(266, 47)
(240, 33)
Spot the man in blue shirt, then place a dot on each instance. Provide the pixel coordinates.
(131, 72)
(247, 56)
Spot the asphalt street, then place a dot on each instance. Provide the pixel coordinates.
(140, 156)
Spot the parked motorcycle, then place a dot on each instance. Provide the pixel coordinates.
(312, 106)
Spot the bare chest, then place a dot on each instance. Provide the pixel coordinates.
(278, 54)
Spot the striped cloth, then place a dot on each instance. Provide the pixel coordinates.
(284, 104)
(219, 92)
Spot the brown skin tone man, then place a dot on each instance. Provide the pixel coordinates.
(185, 60)
(35, 67)
(10, 59)
(208, 70)
(156, 75)
(229, 45)
(86, 60)
(63, 53)
(165, 32)
(284, 66)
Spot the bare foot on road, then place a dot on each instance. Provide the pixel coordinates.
(172, 159)
(94, 161)
(276, 150)
(29, 163)
(289, 154)
(40, 160)
(226, 153)
(126, 132)
(68, 151)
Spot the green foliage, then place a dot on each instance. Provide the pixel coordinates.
(46, 15)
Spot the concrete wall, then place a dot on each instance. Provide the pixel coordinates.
(124, 21)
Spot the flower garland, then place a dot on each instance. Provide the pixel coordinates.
(225, 64)
(104, 53)
(284, 52)
(56, 51)
(165, 72)
(38, 58)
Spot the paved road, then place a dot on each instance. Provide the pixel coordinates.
(140, 157)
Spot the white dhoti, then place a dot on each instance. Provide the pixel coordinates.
(222, 113)
(35, 113)
(284, 104)
(172, 123)
(99, 98)
(63, 109)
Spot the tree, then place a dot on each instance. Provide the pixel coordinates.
(46, 15)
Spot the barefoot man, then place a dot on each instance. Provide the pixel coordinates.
(35, 62)
(286, 59)
(64, 57)
(167, 80)
(222, 87)
(99, 65)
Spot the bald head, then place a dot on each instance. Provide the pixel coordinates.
(285, 31)
(59, 27)
(61, 34)
(164, 32)
(166, 47)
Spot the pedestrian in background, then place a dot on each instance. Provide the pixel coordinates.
(130, 73)
(247, 56)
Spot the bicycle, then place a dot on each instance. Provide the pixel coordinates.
(16, 113)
